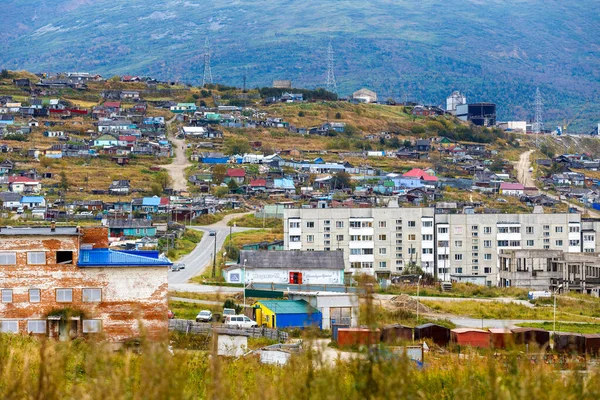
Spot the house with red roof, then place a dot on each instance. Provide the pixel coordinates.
(237, 174)
(511, 189)
(417, 173)
(22, 184)
(127, 140)
(258, 185)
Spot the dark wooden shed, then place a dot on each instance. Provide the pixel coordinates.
(592, 343)
(540, 337)
(569, 343)
(395, 332)
(500, 337)
(439, 334)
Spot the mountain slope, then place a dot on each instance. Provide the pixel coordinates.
(492, 50)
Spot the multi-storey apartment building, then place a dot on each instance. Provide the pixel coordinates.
(453, 246)
(64, 282)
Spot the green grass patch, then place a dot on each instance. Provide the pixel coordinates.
(185, 244)
(250, 221)
(564, 326)
(466, 290)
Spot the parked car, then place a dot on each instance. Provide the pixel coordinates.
(212, 233)
(171, 314)
(227, 311)
(180, 265)
(241, 321)
(175, 268)
(204, 316)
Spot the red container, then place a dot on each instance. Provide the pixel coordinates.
(470, 337)
(357, 336)
(500, 337)
(592, 344)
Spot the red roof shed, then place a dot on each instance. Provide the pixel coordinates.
(236, 173)
(470, 337)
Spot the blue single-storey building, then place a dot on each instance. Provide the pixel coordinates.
(287, 314)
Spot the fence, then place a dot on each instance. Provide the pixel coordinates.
(188, 326)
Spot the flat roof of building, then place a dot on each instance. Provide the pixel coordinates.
(39, 231)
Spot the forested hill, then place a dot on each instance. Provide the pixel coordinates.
(493, 50)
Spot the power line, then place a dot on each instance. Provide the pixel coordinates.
(330, 85)
(207, 78)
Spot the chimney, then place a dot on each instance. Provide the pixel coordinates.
(53, 226)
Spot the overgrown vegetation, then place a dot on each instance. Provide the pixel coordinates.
(459, 290)
(185, 244)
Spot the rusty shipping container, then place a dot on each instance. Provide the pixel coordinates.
(394, 332)
(357, 336)
(540, 337)
(569, 343)
(439, 334)
(500, 337)
(470, 337)
(592, 344)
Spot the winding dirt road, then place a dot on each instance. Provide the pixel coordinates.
(177, 168)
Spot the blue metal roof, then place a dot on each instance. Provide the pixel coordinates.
(118, 258)
(151, 201)
(32, 199)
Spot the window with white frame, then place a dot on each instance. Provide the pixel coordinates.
(64, 295)
(428, 238)
(487, 244)
(487, 256)
(36, 326)
(487, 229)
(458, 257)
(92, 325)
(427, 224)
(529, 230)
(339, 224)
(558, 243)
(339, 238)
(443, 229)
(530, 243)
(458, 243)
(412, 224)
(382, 224)
(382, 251)
(382, 264)
(573, 242)
(573, 229)
(382, 237)
(558, 229)
(412, 237)
(310, 224)
(35, 295)
(9, 326)
(36, 258)
(7, 295)
(427, 251)
(458, 230)
(8, 258)
(91, 295)
(310, 238)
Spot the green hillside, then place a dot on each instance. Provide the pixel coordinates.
(492, 50)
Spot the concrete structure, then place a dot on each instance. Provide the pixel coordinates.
(365, 96)
(335, 308)
(63, 282)
(382, 241)
(232, 345)
(454, 100)
(282, 84)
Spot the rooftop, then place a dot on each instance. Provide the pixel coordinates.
(288, 306)
(115, 258)
(293, 259)
(40, 231)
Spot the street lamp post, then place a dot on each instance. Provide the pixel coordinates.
(418, 283)
(555, 292)
(244, 272)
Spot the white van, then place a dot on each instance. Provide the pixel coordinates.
(241, 321)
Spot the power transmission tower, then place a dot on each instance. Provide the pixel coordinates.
(207, 78)
(538, 123)
(330, 85)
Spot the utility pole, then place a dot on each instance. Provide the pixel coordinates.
(214, 271)
(207, 78)
(330, 84)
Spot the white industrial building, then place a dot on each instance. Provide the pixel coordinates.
(454, 100)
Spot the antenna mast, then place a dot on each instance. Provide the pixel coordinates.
(330, 85)
(538, 124)
(207, 78)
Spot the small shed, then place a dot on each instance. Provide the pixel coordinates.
(592, 344)
(531, 335)
(280, 314)
(395, 332)
(470, 337)
(357, 336)
(500, 337)
(569, 343)
(439, 334)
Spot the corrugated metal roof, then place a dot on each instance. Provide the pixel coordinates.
(293, 259)
(288, 306)
(41, 231)
(151, 201)
(114, 258)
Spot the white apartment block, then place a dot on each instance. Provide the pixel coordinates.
(382, 241)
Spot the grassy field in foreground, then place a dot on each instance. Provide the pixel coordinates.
(499, 310)
(49, 370)
(564, 326)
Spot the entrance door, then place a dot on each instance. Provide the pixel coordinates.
(63, 330)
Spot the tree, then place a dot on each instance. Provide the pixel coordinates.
(233, 185)
(342, 180)
(301, 114)
(222, 191)
(64, 182)
(338, 115)
(350, 130)
(497, 165)
(237, 146)
(412, 269)
(156, 189)
(4, 74)
(229, 303)
(218, 173)
(163, 179)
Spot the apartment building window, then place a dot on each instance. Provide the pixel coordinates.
(64, 295)
(294, 224)
(412, 250)
(428, 237)
(310, 249)
(458, 230)
(295, 239)
(354, 224)
(92, 325)
(327, 229)
(458, 270)
(8, 258)
(310, 238)
(64, 257)
(546, 241)
(382, 251)
(546, 247)
(458, 243)
(327, 248)
(399, 241)
(355, 264)
(475, 267)
(327, 222)
(91, 295)
(412, 237)
(443, 243)
(7, 295)
(427, 251)
(573, 242)
(327, 236)
(367, 224)
(487, 244)
(9, 326)
(530, 243)
(398, 248)
(412, 224)
(382, 237)
(398, 222)
(398, 236)
(427, 224)
(487, 270)
(502, 229)
(529, 230)
(367, 238)
(475, 234)
(36, 326)
(339, 238)
(398, 255)
(573, 229)
(366, 265)
(474, 247)
(382, 264)
(588, 238)
(474, 227)
(474, 255)
(558, 229)
(382, 224)
(327, 242)
(546, 227)
(310, 224)
(502, 243)
(558, 243)
(458, 257)
(339, 224)
(442, 257)
(514, 229)
(443, 230)
(35, 295)
(487, 256)
(515, 243)
(546, 234)
(487, 230)
(399, 227)
(36, 257)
